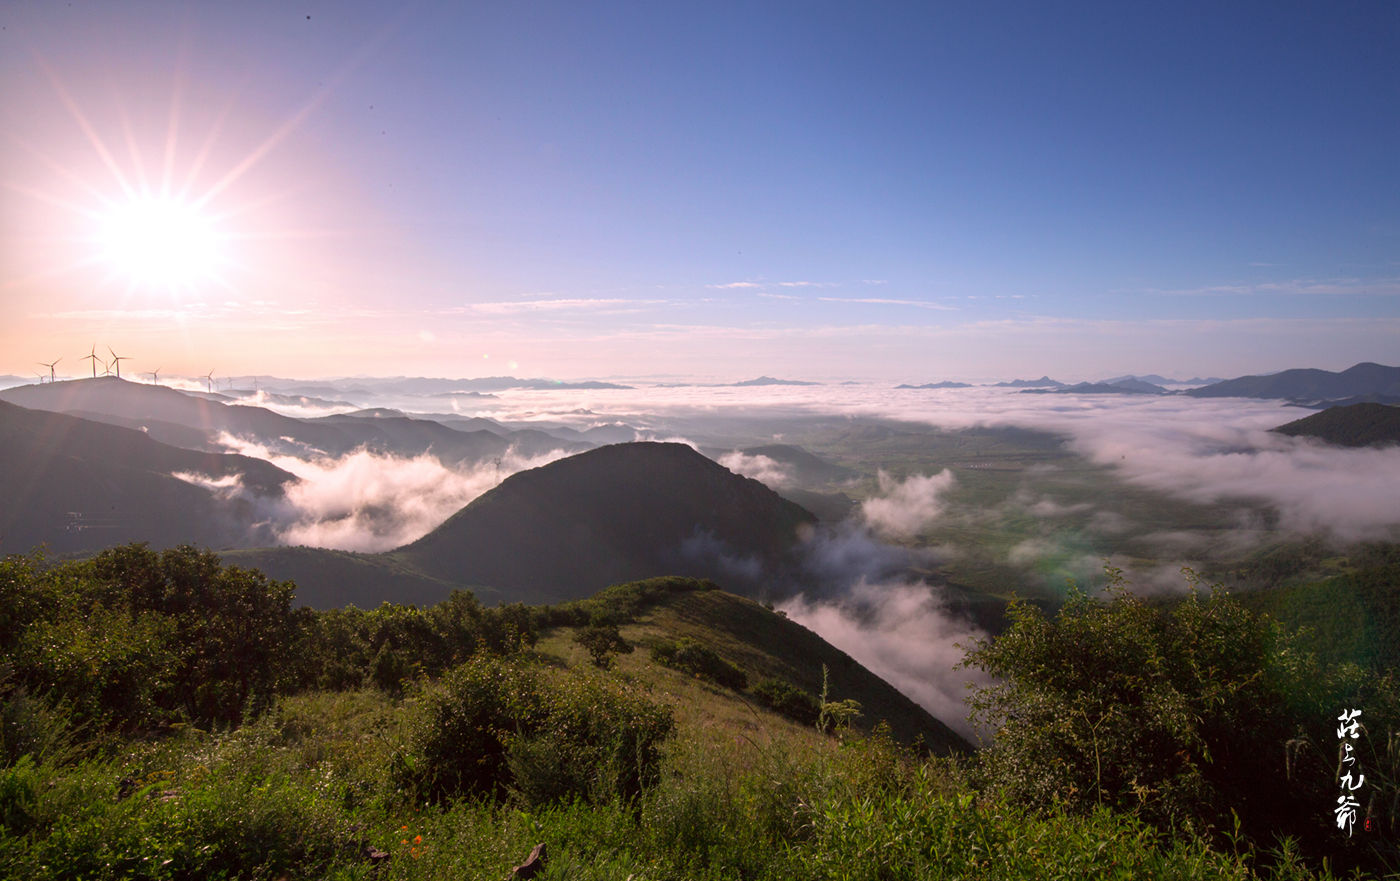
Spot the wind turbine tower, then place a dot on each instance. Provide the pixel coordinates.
(117, 361)
(93, 357)
(209, 379)
(155, 376)
(50, 366)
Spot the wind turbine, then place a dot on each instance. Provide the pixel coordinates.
(117, 361)
(209, 377)
(50, 366)
(155, 376)
(93, 356)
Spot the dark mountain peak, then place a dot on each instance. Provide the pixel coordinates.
(1357, 425)
(610, 514)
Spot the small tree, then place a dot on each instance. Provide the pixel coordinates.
(602, 641)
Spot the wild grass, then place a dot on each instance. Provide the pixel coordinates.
(306, 791)
(640, 771)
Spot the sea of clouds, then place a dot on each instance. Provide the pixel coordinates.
(861, 596)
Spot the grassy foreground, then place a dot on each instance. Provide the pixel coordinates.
(162, 717)
(308, 790)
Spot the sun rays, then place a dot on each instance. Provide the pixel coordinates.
(155, 207)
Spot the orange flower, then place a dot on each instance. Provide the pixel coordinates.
(417, 839)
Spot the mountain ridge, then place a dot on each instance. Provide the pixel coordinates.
(77, 485)
(1309, 384)
(1355, 425)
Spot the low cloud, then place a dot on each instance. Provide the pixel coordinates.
(836, 557)
(764, 469)
(901, 632)
(904, 509)
(368, 501)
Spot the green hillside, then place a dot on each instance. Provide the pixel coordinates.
(1351, 617)
(166, 717)
(763, 643)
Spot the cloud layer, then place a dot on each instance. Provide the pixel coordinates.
(905, 508)
(367, 501)
(900, 632)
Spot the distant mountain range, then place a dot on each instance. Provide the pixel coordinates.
(1125, 387)
(1311, 387)
(1356, 425)
(1043, 382)
(1161, 380)
(768, 380)
(78, 485)
(193, 422)
(947, 383)
(611, 514)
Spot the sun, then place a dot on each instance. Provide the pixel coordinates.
(161, 241)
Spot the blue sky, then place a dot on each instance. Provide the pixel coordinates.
(903, 191)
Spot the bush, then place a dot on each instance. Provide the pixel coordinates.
(135, 637)
(602, 642)
(492, 728)
(1184, 718)
(698, 659)
(789, 700)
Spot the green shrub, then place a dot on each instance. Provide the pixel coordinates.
(787, 699)
(135, 637)
(1186, 718)
(602, 641)
(698, 659)
(618, 604)
(493, 727)
(111, 667)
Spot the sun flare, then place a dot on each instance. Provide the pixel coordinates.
(162, 242)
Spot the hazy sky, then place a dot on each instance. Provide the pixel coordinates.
(911, 191)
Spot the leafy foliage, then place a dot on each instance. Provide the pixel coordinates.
(698, 659)
(493, 727)
(1186, 718)
(789, 700)
(602, 642)
(392, 645)
(620, 603)
(135, 637)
